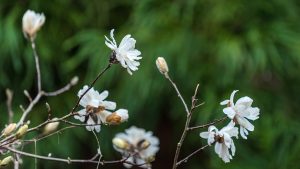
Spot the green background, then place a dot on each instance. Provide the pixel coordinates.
(252, 46)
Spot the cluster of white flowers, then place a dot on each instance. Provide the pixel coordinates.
(139, 145)
(239, 113)
(125, 53)
(98, 111)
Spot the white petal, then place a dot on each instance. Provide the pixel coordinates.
(204, 134)
(246, 101)
(245, 123)
(229, 111)
(109, 105)
(218, 148)
(225, 102)
(242, 133)
(123, 113)
(253, 113)
(232, 148)
(81, 115)
(103, 95)
(232, 97)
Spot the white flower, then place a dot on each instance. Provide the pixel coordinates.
(31, 23)
(125, 53)
(222, 139)
(139, 144)
(97, 110)
(241, 112)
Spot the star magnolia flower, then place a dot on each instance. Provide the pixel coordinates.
(241, 112)
(222, 139)
(125, 53)
(97, 111)
(31, 23)
(139, 144)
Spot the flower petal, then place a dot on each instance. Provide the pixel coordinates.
(229, 111)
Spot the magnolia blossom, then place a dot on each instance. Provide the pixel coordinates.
(241, 112)
(97, 110)
(125, 53)
(31, 23)
(222, 139)
(139, 144)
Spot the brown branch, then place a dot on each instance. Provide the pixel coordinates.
(208, 124)
(9, 95)
(90, 86)
(184, 160)
(187, 123)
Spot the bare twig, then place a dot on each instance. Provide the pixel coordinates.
(178, 93)
(208, 124)
(9, 95)
(64, 89)
(188, 119)
(37, 65)
(68, 160)
(184, 160)
(90, 86)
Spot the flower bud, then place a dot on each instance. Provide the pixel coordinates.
(145, 144)
(22, 131)
(6, 161)
(74, 80)
(113, 119)
(162, 65)
(51, 127)
(120, 143)
(9, 129)
(31, 23)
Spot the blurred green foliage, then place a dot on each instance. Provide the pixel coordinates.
(252, 46)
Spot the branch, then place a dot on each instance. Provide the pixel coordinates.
(208, 124)
(184, 160)
(187, 123)
(37, 65)
(90, 86)
(9, 95)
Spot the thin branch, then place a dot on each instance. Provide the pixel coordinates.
(37, 65)
(9, 95)
(90, 86)
(184, 160)
(178, 93)
(72, 83)
(187, 123)
(68, 160)
(208, 124)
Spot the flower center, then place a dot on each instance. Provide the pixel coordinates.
(219, 139)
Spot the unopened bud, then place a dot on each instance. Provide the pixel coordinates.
(145, 144)
(150, 159)
(22, 131)
(31, 23)
(120, 143)
(9, 129)
(51, 127)
(113, 119)
(74, 80)
(162, 65)
(6, 161)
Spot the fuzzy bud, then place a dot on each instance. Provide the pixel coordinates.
(145, 144)
(120, 143)
(51, 127)
(9, 129)
(113, 119)
(74, 80)
(162, 65)
(31, 23)
(22, 131)
(6, 161)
